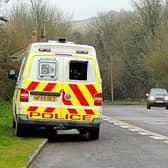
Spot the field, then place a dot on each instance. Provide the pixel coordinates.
(14, 151)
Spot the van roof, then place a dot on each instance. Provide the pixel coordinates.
(61, 48)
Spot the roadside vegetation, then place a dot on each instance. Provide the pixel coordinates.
(131, 46)
(14, 151)
(126, 102)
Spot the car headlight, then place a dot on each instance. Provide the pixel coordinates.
(166, 98)
(151, 98)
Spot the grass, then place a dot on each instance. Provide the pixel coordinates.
(126, 102)
(14, 151)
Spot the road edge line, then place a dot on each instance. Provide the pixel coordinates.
(35, 153)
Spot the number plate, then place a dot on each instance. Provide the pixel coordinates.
(45, 98)
(159, 101)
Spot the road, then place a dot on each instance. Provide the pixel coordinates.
(131, 137)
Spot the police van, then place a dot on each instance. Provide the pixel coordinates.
(58, 88)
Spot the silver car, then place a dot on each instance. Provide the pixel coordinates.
(157, 97)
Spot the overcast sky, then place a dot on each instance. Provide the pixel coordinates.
(82, 9)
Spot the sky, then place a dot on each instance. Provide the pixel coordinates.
(83, 9)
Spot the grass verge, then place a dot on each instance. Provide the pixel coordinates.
(14, 151)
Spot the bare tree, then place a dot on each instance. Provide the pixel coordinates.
(49, 21)
(2, 18)
(39, 15)
(150, 12)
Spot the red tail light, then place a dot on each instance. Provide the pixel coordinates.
(98, 99)
(24, 95)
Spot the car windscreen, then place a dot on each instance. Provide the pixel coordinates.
(158, 92)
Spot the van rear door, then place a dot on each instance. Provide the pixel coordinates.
(44, 86)
(79, 88)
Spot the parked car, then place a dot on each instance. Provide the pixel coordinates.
(157, 97)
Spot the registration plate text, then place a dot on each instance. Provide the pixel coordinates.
(45, 98)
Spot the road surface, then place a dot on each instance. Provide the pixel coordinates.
(131, 137)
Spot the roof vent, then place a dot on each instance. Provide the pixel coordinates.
(44, 50)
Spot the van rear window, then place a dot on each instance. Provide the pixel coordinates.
(78, 70)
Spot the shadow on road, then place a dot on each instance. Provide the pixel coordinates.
(54, 136)
(68, 138)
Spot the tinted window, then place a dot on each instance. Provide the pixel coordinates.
(78, 70)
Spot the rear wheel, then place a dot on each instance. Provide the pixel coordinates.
(166, 107)
(51, 133)
(21, 130)
(93, 133)
(83, 131)
(148, 106)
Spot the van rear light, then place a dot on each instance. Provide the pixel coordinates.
(98, 99)
(24, 95)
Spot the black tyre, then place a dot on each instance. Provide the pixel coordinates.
(51, 133)
(166, 107)
(148, 106)
(83, 131)
(21, 130)
(93, 133)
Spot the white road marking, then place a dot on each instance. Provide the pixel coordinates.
(112, 122)
(143, 133)
(166, 142)
(133, 128)
(106, 119)
(117, 123)
(124, 126)
(156, 137)
(140, 118)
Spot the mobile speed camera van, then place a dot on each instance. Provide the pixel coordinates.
(58, 87)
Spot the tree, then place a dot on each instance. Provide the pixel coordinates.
(149, 14)
(49, 21)
(103, 30)
(17, 33)
(158, 66)
(121, 48)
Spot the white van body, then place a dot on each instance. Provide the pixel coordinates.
(58, 86)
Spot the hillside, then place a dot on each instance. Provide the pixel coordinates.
(83, 24)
